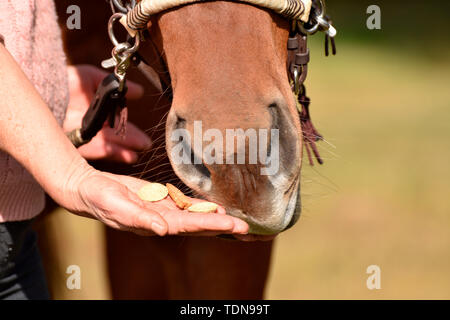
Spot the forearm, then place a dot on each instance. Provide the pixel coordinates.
(30, 133)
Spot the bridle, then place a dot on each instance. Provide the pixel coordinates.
(297, 67)
(307, 17)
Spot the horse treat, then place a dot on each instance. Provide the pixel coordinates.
(182, 201)
(153, 192)
(203, 207)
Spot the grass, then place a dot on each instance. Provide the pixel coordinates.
(382, 196)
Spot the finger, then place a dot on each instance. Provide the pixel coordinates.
(133, 184)
(94, 74)
(135, 139)
(197, 223)
(145, 223)
(108, 151)
(182, 222)
(138, 218)
(119, 207)
(220, 209)
(118, 153)
(135, 90)
(240, 226)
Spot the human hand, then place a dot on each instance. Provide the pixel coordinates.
(113, 200)
(83, 83)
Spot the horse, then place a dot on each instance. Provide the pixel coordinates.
(227, 67)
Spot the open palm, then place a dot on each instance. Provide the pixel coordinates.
(113, 200)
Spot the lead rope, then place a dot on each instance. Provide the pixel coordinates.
(298, 59)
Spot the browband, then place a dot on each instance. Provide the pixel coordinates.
(138, 17)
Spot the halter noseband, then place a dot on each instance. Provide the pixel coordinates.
(137, 18)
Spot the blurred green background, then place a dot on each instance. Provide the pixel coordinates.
(382, 196)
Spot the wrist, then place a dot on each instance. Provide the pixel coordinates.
(68, 193)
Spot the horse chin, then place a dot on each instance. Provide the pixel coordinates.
(284, 217)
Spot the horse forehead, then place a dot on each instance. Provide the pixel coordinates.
(224, 55)
(235, 40)
(224, 28)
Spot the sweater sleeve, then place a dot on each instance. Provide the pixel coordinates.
(32, 36)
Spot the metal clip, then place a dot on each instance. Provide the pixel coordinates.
(122, 7)
(111, 22)
(296, 81)
(318, 21)
(107, 100)
(121, 53)
(122, 60)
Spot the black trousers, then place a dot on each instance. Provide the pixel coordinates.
(21, 273)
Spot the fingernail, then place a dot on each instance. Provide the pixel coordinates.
(133, 157)
(158, 228)
(241, 227)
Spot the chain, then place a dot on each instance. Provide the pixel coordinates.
(119, 6)
(123, 52)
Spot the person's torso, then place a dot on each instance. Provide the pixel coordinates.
(32, 36)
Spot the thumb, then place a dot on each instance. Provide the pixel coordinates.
(96, 76)
(135, 90)
(139, 218)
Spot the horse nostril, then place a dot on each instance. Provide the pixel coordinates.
(274, 110)
(180, 122)
(196, 173)
(187, 164)
(199, 165)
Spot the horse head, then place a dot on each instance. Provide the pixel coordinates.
(233, 116)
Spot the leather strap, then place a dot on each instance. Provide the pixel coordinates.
(150, 74)
(297, 66)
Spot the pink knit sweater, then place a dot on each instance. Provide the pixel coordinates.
(32, 36)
